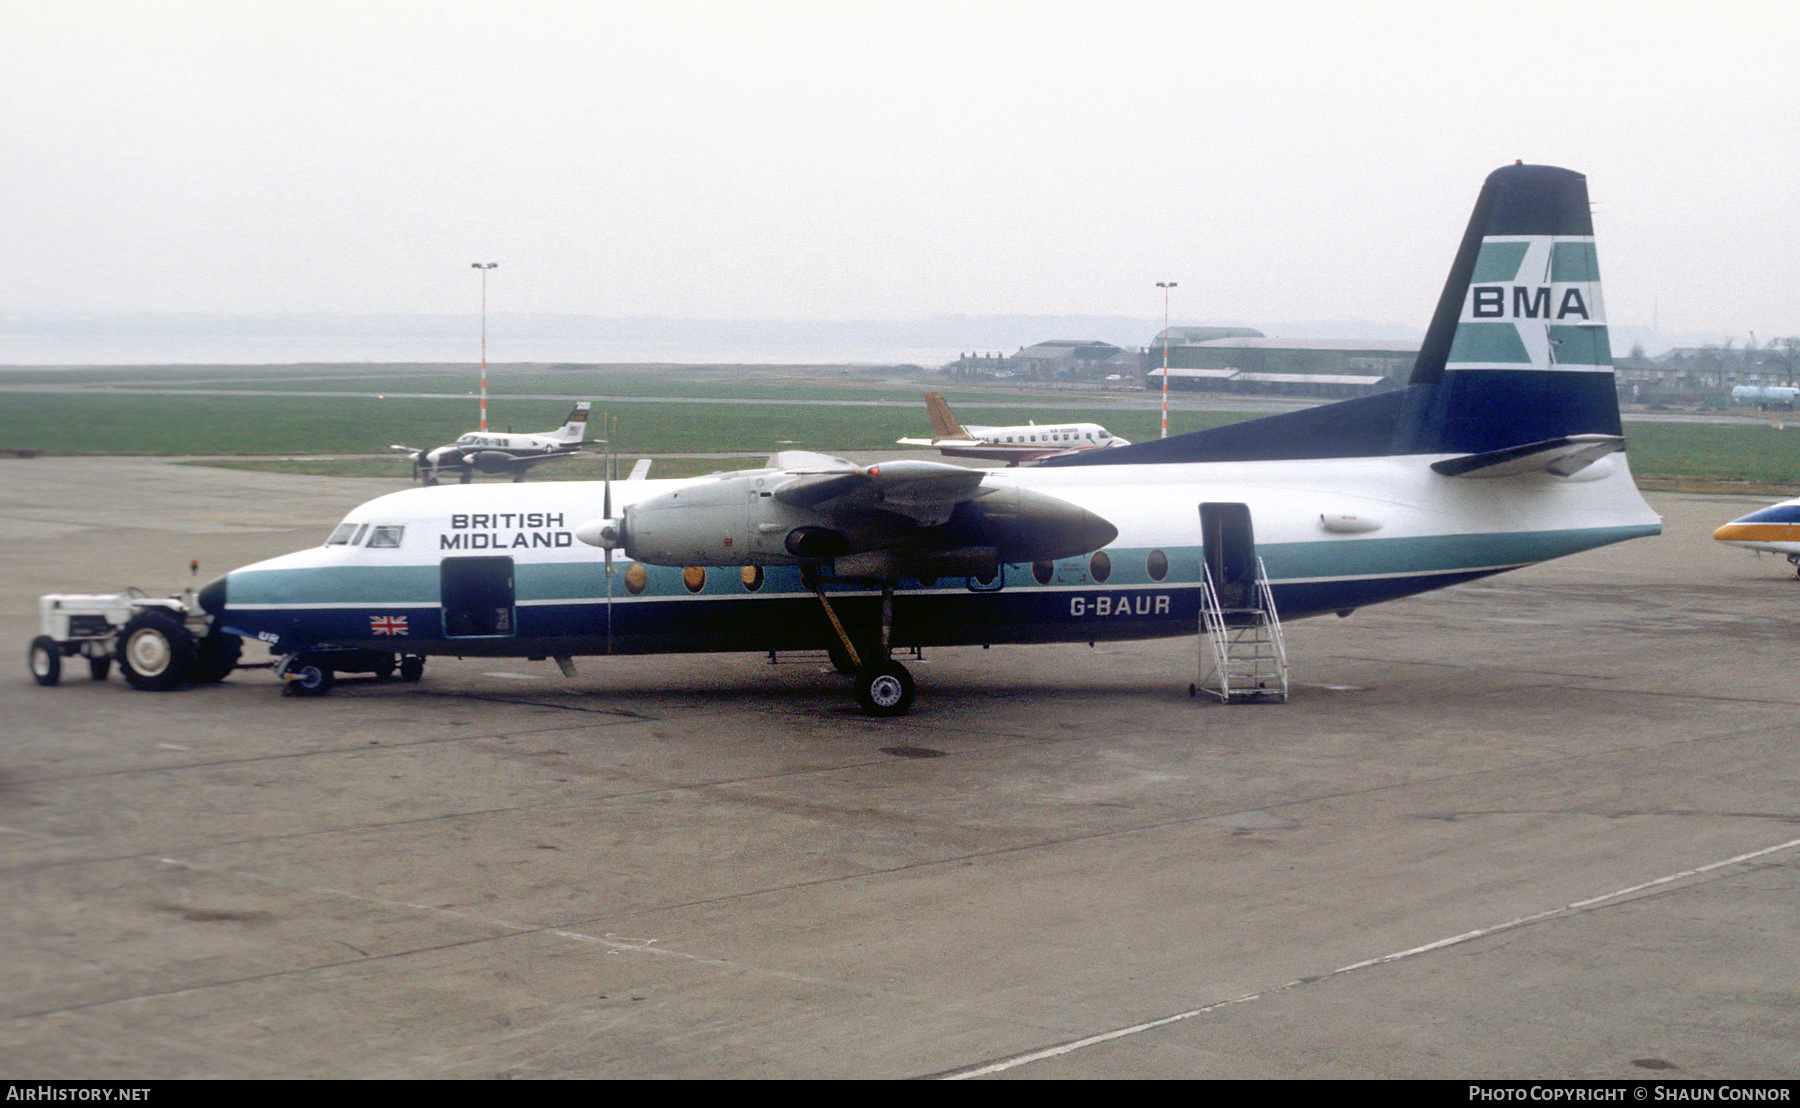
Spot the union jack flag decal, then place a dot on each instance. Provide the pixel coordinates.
(388, 625)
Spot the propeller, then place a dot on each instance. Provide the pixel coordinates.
(416, 459)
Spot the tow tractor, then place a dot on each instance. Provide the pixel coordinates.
(160, 643)
(164, 643)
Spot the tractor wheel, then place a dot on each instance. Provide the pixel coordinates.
(215, 658)
(46, 660)
(156, 651)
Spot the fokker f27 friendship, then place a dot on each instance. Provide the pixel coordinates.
(1504, 450)
(500, 452)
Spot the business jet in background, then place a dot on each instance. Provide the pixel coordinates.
(1012, 445)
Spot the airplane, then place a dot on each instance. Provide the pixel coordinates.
(1504, 450)
(1012, 445)
(500, 452)
(1775, 528)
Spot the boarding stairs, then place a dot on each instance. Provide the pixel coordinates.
(1242, 654)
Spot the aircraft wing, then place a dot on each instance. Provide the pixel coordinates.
(500, 461)
(962, 442)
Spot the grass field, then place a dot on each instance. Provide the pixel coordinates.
(106, 423)
(778, 409)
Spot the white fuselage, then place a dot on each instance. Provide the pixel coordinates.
(1024, 443)
(1334, 536)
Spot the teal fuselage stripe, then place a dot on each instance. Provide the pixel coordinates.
(373, 587)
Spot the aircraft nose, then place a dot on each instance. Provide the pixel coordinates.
(1739, 531)
(212, 597)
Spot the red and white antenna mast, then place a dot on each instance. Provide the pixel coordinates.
(484, 267)
(1165, 286)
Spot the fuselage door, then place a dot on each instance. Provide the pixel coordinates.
(477, 597)
(1230, 549)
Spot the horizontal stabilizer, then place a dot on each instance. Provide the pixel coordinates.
(1563, 457)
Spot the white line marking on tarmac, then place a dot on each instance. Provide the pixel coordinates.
(1468, 936)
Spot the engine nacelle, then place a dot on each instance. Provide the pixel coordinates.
(735, 520)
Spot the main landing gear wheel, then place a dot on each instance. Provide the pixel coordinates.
(45, 660)
(412, 667)
(155, 651)
(884, 689)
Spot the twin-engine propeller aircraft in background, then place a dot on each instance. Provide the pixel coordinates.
(1503, 451)
(500, 452)
(1011, 445)
(1775, 529)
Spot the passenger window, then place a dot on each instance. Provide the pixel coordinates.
(385, 536)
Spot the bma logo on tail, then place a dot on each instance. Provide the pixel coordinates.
(1489, 302)
(1533, 303)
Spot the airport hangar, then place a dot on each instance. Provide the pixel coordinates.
(1225, 360)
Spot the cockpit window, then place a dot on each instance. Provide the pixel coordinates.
(386, 536)
(341, 536)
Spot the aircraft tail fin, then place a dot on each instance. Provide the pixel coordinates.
(1517, 353)
(575, 426)
(944, 424)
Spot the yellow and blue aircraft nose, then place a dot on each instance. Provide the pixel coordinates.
(1769, 528)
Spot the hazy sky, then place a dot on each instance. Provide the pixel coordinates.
(1280, 160)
